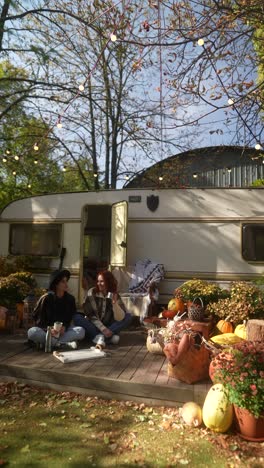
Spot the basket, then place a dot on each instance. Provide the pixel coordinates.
(154, 343)
(196, 310)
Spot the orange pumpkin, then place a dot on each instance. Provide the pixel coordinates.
(176, 304)
(169, 314)
(224, 326)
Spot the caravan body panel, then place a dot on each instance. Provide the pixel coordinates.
(193, 232)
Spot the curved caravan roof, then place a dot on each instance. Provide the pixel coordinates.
(173, 203)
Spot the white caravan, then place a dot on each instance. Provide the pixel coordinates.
(214, 234)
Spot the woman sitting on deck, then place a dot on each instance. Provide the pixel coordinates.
(57, 305)
(104, 314)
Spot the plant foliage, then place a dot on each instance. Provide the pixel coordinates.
(241, 370)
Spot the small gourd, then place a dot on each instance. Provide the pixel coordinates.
(191, 414)
(176, 304)
(224, 326)
(217, 410)
(241, 330)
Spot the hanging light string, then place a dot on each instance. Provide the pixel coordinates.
(112, 38)
(230, 101)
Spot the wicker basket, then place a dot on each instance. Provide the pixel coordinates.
(196, 310)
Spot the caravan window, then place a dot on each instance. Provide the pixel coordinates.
(253, 242)
(35, 239)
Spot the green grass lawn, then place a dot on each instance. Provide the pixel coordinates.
(40, 428)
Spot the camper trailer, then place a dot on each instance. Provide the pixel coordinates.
(213, 234)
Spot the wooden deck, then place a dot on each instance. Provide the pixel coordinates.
(129, 372)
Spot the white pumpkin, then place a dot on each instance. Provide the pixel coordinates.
(191, 414)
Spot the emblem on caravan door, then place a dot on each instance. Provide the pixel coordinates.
(152, 202)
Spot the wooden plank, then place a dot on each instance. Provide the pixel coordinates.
(96, 384)
(123, 363)
(11, 346)
(149, 374)
(133, 365)
(99, 393)
(141, 372)
(105, 367)
(162, 377)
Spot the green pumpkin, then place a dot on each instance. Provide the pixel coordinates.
(217, 410)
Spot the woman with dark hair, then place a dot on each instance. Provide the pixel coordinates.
(57, 305)
(104, 314)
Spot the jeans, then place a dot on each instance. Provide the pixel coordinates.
(91, 330)
(38, 335)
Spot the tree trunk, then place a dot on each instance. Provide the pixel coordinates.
(3, 16)
(255, 330)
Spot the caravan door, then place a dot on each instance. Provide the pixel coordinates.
(118, 256)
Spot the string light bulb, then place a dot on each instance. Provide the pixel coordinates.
(4, 159)
(59, 124)
(35, 161)
(7, 152)
(28, 185)
(16, 157)
(95, 175)
(36, 148)
(257, 146)
(195, 175)
(230, 101)
(200, 42)
(113, 37)
(64, 169)
(161, 178)
(81, 87)
(229, 169)
(126, 177)
(14, 173)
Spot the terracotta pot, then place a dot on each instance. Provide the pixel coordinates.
(3, 312)
(248, 426)
(20, 309)
(193, 365)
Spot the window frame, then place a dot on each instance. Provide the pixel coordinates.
(245, 236)
(35, 226)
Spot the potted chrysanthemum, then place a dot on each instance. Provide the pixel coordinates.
(241, 370)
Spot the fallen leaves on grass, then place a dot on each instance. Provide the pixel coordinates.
(123, 429)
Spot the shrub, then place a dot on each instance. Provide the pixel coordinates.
(12, 290)
(26, 277)
(246, 301)
(241, 370)
(207, 291)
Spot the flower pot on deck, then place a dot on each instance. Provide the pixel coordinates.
(3, 312)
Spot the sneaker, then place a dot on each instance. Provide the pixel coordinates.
(72, 344)
(115, 339)
(99, 340)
